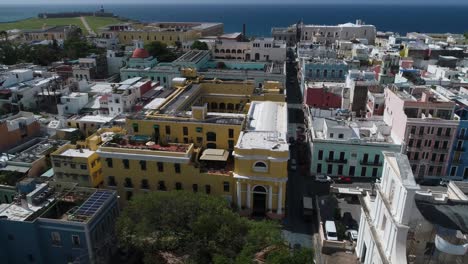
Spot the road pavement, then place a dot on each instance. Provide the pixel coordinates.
(88, 28)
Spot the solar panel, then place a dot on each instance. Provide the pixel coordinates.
(94, 202)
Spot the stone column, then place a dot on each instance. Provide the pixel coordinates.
(280, 198)
(239, 193)
(270, 198)
(249, 194)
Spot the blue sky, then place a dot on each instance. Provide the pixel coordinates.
(98, 2)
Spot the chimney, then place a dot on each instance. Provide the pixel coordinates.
(243, 32)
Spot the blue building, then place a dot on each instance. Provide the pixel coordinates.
(200, 62)
(458, 166)
(322, 70)
(58, 223)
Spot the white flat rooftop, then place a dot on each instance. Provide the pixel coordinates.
(82, 153)
(267, 127)
(154, 104)
(96, 118)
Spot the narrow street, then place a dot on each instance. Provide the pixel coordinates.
(296, 230)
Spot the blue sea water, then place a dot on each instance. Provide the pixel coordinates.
(260, 18)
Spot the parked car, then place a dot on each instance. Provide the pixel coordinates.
(330, 231)
(351, 234)
(430, 182)
(293, 164)
(323, 178)
(344, 179)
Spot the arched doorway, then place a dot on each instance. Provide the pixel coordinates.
(259, 201)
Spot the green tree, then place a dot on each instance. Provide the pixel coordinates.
(9, 53)
(160, 51)
(182, 223)
(197, 228)
(466, 35)
(199, 45)
(285, 256)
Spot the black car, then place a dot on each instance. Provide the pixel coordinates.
(430, 182)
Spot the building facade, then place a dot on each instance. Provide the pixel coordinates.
(402, 224)
(321, 70)
(77, 165)
(18, 129)
(58, 223)
(340, 147)
(423, 121)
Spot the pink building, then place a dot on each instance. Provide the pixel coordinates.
(423, 121)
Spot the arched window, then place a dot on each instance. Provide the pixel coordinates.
(211, 136)
(230, 107)
(325, 73)
(239, 51)
(259, 189)
(222, 50)
(222, 106)
(216, 50)
(260, 166)
(233, 51)
(214, 105)
(228, 51)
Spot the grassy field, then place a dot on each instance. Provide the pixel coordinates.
(97, 22)
(37, 23)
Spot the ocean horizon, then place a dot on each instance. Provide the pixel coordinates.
(260, 18)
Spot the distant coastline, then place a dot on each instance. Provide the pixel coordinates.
(261, 18)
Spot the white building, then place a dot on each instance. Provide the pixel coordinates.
(72, 103)
(20, 88)
(259, 49)
(400, 224)
(329, 34)
(115, 61)
(126, 94)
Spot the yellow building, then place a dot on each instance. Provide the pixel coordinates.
(135, 164)
(168, 33)
(261, 160)
(203, 136)
(48, 33)
(79, 165)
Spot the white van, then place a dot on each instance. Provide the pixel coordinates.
(330, 231)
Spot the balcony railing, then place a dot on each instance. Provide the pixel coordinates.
(337, 160)
(370, 163)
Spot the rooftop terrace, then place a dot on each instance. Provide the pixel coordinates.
(36, 149)
(139, 142)
(64, 202)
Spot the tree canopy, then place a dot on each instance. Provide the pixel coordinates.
(199, 45)
(74, 47)
(197, 228)
(160, 51)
